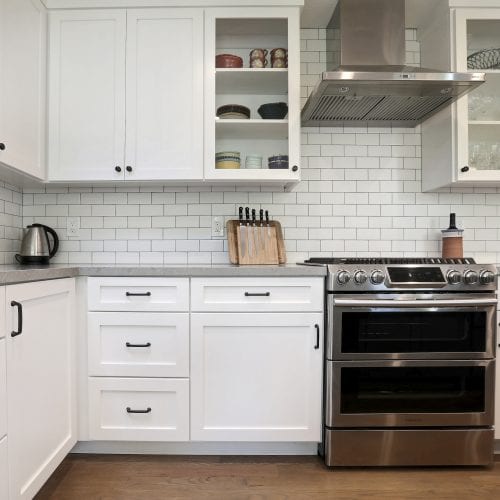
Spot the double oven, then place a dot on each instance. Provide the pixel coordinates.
(409, 367)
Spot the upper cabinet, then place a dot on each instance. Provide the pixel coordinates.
(461, 145)
(126, 95)
(22, 85)
(267, 41)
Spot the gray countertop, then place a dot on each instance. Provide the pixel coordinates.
(10, 274)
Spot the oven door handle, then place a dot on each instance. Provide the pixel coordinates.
(413, 303)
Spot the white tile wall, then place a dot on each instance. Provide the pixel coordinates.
(10, 222)
(361, 195)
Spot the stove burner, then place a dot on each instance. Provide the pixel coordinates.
(389, 261)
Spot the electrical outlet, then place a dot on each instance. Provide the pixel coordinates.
(73, 227)
(218, 227)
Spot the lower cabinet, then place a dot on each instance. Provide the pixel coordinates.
(497, 389)
(3, 391)
(41, 384)
(4, 476)
(256, 377)
(137, 409)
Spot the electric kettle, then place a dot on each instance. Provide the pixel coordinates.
(35, 247)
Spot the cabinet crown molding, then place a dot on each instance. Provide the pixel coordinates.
(102, 4)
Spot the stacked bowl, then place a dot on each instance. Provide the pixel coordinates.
(278, 161)
(227, 159)
(253, 161)
(273, 110)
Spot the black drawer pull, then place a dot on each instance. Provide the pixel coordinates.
(129, 410)
(262, 294)
(317, 336)
(19, 318)
(133, 294)
(128, 344)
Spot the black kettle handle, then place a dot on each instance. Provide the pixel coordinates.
(55, 247)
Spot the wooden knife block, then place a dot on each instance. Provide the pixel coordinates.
(255, 244)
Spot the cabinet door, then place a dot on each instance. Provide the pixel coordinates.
(87, 94)
(22, 85)
(164, 94)
(256, 377)
(4, 479)
(40, 382)
(3, 390)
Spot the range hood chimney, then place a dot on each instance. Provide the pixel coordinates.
(369, 82)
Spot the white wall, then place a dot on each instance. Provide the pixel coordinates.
(360, 196)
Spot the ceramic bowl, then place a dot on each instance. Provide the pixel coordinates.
(234, 111)
(228, 61)
(273, 110)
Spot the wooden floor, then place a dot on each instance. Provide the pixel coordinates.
(138, 477)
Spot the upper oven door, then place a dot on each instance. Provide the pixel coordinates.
(411, 326)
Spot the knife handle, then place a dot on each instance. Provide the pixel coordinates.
(261, 215)
(247, 214)
(240, 214)
(267, 216)
(253, 216)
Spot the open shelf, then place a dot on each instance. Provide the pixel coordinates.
(260, 81)
(485, 122)
(251, 129)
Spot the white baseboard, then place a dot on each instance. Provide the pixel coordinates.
(194, 448)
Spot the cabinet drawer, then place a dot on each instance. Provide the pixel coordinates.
(3, 390)
(138, 294)
(139, 409)
(257, 294)
(4, 480)
(138, 344)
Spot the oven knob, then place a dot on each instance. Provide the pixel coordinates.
(377, 277)
(343, 277)
(360, 277)
(470, 277)
(453, 277)
(486, 277)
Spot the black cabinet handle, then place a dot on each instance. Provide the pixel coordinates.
(129, 410)
(118, 169)
(262, 294)
(128, 168)
(128, 344)
(295, 168)
(19, 318)
(317, 336)
(465, 169)
(2, 146)
(143, 294)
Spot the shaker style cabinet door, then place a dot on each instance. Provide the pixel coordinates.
(23, 30)
(164, 138)
(86, 94)
(41, 384)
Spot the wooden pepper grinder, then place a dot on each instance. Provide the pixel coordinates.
(452, 241)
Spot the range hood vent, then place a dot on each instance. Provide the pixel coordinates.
(369, 82)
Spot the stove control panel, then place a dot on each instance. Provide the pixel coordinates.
(454, 277)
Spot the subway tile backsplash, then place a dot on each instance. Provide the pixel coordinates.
(360, 195)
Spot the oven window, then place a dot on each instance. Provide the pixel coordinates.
(412, 389)
(413, 331)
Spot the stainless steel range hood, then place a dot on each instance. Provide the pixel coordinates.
(370, 83)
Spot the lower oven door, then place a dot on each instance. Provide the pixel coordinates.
(411, 326)
(409, 393)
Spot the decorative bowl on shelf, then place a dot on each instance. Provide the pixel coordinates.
(227, 160)
(273, 110)
(228, 61)
(484, 59)
(233, 111)
(278, 161)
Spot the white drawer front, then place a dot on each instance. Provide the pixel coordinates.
(165, 403)
(138, 294)
(138, 344)
(3, 391)
(4, 479)
(257, 294)
(2, 301)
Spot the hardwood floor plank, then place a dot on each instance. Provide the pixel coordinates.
(143, 477)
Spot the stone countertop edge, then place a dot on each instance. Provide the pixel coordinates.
(10, 274)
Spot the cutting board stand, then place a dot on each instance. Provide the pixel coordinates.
(259, 243)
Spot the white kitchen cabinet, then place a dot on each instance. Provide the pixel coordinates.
(4, 470)
(40, 381)
(256, 377)
(238, 30)
(138, 344)
(460, 144)
(126, 94)
(138, 409)
(23, 30)
(3, 390)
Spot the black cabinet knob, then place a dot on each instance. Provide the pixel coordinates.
(465, 169)
(118, 169)
(128, 168)
(295, 168)
(2, 146)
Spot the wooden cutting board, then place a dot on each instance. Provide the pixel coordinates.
(255, 244)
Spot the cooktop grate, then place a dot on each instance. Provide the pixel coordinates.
(389, 261)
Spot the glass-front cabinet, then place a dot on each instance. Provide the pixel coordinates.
(478, 114)
(252, 95)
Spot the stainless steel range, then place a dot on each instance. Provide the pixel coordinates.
(409, 362)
